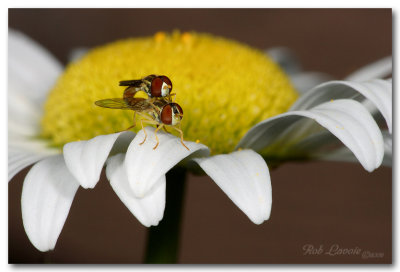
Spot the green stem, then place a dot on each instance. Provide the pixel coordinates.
(163, 240)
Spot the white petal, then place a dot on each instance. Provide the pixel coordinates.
(388, 158)
(18, 160)
(30, 145)
(122, 143)
(348, 120)
(47, 196)
(85, 159)
(378, 91)
(149, 210)
(244, 178)
(378, 69)
(344, 154)
(23, 115)
(23, 151)
(145, 166)
(32, 70)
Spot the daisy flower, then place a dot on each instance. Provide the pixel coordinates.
(242, 115)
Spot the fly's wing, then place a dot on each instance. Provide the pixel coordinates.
(139, 104)
(136, 82)
(131, 103)
(131, 83)
(114, 103)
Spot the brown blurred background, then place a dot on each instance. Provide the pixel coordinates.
(316, 203)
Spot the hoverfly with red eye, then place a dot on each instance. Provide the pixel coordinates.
(154, 86)
(159, 112)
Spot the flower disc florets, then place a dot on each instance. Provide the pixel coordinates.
(223, 86)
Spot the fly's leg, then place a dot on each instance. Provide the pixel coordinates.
(145, 133)
(151, 102)
(155, 133)
(180, 131)
(148, 120)
(169, 97)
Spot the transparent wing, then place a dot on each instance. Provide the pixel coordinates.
(136, 104)
(139, 104)
(114, 103)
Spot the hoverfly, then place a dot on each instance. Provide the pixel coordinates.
(153, 85)
(159, 112)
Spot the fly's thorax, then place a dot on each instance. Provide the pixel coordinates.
(159, 103)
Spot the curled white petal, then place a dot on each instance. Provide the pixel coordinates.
(47, 196)
(388, 158)
(344, 154)
(244, 178)
(149, 210)
(32, 70)
(85, 159)
(348, 120)
(145, 165)
(378, 91)
(378, 69)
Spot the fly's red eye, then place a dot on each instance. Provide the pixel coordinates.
(156, 85)
(166, 114)
(167, 81)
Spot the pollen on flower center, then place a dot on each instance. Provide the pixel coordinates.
(224, 88)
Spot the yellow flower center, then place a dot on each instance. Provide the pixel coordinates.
(224, 88)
